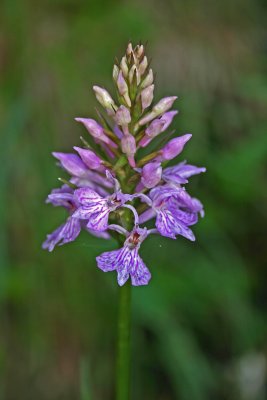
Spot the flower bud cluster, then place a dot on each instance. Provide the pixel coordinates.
(116, 183)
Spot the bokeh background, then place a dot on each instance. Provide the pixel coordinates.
(200, 327)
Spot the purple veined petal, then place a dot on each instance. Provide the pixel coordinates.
(186, 217)
(59, 198)
(165, 224)
(147, 215)
(90, 159)
(70, 230)
(183, 230)
(179, 173)
(107, 261)
(99, 220)
(65, 233)
(142, 276)
(102, 235)
(183, 199)
(71, 163)
(87, 197)
(52, 239)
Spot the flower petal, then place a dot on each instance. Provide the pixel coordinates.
(107, 261)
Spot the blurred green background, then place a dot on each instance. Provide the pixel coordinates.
(200, 327)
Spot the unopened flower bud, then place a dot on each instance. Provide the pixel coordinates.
(160, 108)
(129, 49)
(164, 105)
(139, 50)
(122, 116)
(173, 148)
(156, 127)
(71, 163)
(134, 71)
(89, 158)
(96, 130)
(151, 174)
(123, 88)
(105, 99)
(124, 67)
(115, 72)
(143, 66)
(148, 79)
(147, 96)
(128, 147)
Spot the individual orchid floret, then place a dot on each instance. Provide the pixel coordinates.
(95, 208)
(128, 147)
(147, 96)
(179, 173)
(156, 127)
(126, 261)
(151, 174)
(173, 148)
(80, 173)
(90, 159)
(160, 108)
(105, 99)
(68, 231)
(175, 211)
(96, 131)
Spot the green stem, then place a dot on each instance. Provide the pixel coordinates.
(123, 349)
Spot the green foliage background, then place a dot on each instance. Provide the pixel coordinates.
(200, 326)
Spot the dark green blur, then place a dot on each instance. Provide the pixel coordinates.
(200, 327)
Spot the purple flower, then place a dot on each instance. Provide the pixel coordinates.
(68, 231)
(90, 159)
(179, 173)
(96, 131)
(175, 211)
(96, 209)
(126, 261)
(173, 148)
(156, 127)
(81, 176)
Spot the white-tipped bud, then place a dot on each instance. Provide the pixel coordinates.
(124, 67)
(123, 89)
(148, 79)
(139, 50)
(164, 105)
(147, 96)
(133, 71)
(121, 84)
(129, 49)
(143, 66)
(105, 99)
(115, 72)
